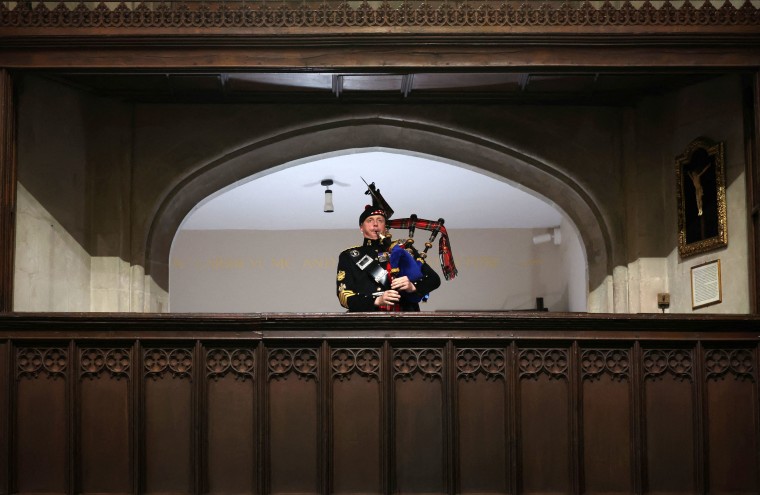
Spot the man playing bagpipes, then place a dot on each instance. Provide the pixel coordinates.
(382, 275)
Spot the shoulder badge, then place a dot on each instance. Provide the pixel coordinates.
(353, 253)
(341, 275)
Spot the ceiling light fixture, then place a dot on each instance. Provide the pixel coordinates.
(329, 208)
(556, 236)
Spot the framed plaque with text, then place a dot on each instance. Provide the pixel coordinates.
(706, 288)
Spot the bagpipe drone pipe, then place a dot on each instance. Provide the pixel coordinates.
(402, 258)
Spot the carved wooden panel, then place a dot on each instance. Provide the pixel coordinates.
(357, 420)
(105, 420)
(231, 428)
(669, 407)
(41, 441)
(187, 14)
(607, 410)
(348, 415)
(294, 416)
(419, 434)
(6, 385)
(168, 420)
(731, 412)
(482, 405)
(544, 421)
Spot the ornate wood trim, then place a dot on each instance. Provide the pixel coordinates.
(157, 362)
(240, 362)
(552, 362)
(114, 362)
(365, 362)
(354, 14)
(597, 362)
(31, 362)
(303, 362)
(675, 362)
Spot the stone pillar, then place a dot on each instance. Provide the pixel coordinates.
(620, 289)
(7, 189)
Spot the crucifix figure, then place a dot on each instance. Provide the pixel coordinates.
(698, 192)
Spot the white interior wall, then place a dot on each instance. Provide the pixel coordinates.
(294, 271)
(53, 272)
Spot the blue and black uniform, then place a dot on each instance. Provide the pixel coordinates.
(359, 277)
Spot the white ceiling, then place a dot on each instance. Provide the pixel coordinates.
(291, 197)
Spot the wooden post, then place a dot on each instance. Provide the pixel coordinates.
(752, 160)
(7, 189)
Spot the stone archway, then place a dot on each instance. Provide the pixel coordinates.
(412, 137)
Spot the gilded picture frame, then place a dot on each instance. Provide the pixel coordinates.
(701, 197)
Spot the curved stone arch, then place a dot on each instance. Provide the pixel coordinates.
(442, 144)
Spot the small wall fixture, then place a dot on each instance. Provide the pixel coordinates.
(329, 208)
(555, 236)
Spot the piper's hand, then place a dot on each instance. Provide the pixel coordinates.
(387, 298)
(403, 284)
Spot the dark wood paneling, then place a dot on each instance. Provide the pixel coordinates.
(607, 421)
(294, 420)
(731, 412)
(105, 450)
(7, 189)
(231, 421)
(669, 409)
(419, 435)
(357, 421)
(168, 421)
(366, 57)
(544, 425)
(5, 416)
(482, 448)
(478, 409)
(41, 426)
(751, 91)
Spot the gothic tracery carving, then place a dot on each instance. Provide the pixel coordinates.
(490, 362)
(676, 362)
(596, 362)
(365, 362)
(721, 362)
(30, 362)
(94, 361)
(177, 362)
(427, 362)
(351, 14)
(240, 362)
(303, 362)
(552, 362)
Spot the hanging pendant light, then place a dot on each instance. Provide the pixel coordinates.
(329, 208)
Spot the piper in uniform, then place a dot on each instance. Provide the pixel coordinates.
(366, 281)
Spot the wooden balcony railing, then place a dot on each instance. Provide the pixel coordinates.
(406, 403)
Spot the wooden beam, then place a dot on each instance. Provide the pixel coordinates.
(377, 57)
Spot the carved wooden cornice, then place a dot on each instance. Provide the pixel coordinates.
(419, 16)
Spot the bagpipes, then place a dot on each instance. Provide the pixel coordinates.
(401, 258)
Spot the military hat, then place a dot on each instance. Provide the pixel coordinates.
(370, 210)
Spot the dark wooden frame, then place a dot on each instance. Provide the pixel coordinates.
(537, 37)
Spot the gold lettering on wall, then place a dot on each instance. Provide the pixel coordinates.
(230, 264)
(480, 262)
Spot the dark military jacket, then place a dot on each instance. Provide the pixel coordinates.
(355, 285)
